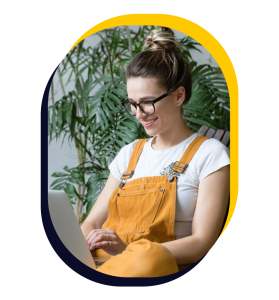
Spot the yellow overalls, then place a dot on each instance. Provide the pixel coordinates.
(142, 212)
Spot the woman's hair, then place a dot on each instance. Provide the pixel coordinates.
(163, 61)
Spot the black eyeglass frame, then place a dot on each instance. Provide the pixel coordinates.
(148, 101)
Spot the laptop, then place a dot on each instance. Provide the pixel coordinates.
(67, 228)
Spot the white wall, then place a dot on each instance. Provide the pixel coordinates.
(61, 155)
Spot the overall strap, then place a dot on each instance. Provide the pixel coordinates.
(134, 159)
(180, 166)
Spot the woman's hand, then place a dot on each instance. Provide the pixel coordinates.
(107, 240)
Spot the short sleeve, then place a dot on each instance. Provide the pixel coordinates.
(121, 160)
(213, 156)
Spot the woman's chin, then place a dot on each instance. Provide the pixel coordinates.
(150, 131)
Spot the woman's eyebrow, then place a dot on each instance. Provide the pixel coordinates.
(143, 98)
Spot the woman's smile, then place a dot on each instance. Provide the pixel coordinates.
(148, 123)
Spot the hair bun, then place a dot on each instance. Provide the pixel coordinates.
(162, 39)
(166, 29)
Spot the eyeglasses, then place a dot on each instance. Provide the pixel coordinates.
(146, 106)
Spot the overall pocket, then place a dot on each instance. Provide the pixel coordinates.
(138, 209)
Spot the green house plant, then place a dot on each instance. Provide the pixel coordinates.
(92, 117)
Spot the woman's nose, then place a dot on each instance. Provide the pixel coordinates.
(139, 113)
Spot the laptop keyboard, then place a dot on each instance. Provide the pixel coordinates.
(99, 261)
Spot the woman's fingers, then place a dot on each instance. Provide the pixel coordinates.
(101, 235)
(94, 233)
(90, 234)
(103, 245)
(107, 240)
(108, 231)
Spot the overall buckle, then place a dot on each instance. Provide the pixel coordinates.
(180, 169)
(127, 174)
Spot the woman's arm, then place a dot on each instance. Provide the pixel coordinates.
(99, 211)
(209, 215)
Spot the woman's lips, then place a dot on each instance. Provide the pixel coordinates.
(149, 125)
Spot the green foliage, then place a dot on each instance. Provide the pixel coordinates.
(210, 103)
(92, 117)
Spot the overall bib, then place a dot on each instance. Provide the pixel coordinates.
(142, 213)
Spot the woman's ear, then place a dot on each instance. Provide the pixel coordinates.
(180, 95)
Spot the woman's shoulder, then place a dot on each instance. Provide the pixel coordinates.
(131, 146)
(128, 149)
(120, 162)
(212, 145)
(211, 156)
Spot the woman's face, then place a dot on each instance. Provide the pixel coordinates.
(167, 110)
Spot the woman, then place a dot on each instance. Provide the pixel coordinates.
(163, 215)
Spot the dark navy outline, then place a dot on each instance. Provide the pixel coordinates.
(53, 238)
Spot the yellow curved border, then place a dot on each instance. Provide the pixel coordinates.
(217, 51)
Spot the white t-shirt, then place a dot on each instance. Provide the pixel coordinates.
(211, 156)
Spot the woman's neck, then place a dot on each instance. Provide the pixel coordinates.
(171, 137)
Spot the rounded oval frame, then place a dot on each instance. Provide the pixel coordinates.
(217, 51)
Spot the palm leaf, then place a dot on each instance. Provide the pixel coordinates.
(92, 115)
